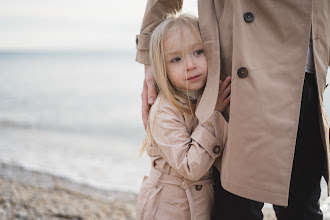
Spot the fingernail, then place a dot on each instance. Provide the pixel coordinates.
(151, 100)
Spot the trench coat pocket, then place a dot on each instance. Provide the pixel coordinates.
(167, 211)
(148, 200)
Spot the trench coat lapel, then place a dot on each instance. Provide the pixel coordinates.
(210, 35)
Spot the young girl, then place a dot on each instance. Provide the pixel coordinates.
(182, 150)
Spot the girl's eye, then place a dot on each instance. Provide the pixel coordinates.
(175, 60)
(198, 52)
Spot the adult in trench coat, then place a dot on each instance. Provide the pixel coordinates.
(263, 45)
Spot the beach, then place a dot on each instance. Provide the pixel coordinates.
(34, 195)
(26, 194)
(70, 111)
(65, 134)
(70, 131)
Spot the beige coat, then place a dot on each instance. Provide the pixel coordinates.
(265, 99)
(179, 185)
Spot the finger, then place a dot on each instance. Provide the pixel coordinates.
(220, 88)
(226, 92)
(227, 100)
(151, 92)
(225, 83)
(145, 105)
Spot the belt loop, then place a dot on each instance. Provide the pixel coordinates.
(184, 184)
(156, 176)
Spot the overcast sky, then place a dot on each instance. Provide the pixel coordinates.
(72, 24)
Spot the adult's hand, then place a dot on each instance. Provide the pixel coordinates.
(149, 93)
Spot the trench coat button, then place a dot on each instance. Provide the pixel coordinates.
(326, 85)
(198, 187)
(137, 41)
(248, 17)
(216, 149)
(242, 72)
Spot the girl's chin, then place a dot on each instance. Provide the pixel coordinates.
(192, 88)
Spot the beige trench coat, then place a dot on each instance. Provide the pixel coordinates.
(265, 102)
(179, 185)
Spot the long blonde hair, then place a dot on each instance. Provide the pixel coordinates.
(180, 99)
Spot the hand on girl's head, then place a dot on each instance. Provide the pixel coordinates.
(223, 95)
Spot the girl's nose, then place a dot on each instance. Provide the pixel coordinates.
(190, 64)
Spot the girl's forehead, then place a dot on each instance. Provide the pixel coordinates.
(183, 31)
(182, 37)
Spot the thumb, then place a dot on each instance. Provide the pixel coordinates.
(151, 92)
(150, 81)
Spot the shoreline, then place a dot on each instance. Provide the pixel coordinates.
(26, 194)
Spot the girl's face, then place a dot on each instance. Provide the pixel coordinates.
(185, 60)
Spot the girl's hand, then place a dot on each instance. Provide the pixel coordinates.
(223, 95)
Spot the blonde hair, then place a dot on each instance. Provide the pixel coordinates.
(179, 99)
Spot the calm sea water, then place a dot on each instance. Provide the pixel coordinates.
(75, 115)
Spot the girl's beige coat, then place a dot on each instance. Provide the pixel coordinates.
(180, 184)
(265, 105)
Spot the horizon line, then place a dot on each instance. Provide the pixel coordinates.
(67, 51)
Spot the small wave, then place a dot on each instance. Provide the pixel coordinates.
(133, 131)
(15, 124)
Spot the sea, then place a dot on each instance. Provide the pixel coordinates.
(77, 115)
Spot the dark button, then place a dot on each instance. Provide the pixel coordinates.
(242, 72)
(198, 187)
(326, 85)
(248, 17)
(137, 41)
(216, 149)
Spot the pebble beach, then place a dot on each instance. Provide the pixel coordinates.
(32, 195)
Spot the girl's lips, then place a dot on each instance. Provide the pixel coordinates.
(194, 77)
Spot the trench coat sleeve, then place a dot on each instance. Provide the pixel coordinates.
(154, 13)
(191, 155)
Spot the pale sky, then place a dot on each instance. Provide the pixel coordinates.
(72, 24)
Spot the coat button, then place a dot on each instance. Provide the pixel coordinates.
(216, 149)
(248, 17)
(137, 41)
(242, 72)
(198, 187)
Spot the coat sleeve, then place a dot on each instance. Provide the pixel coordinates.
(190, 155)
(154, 13)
